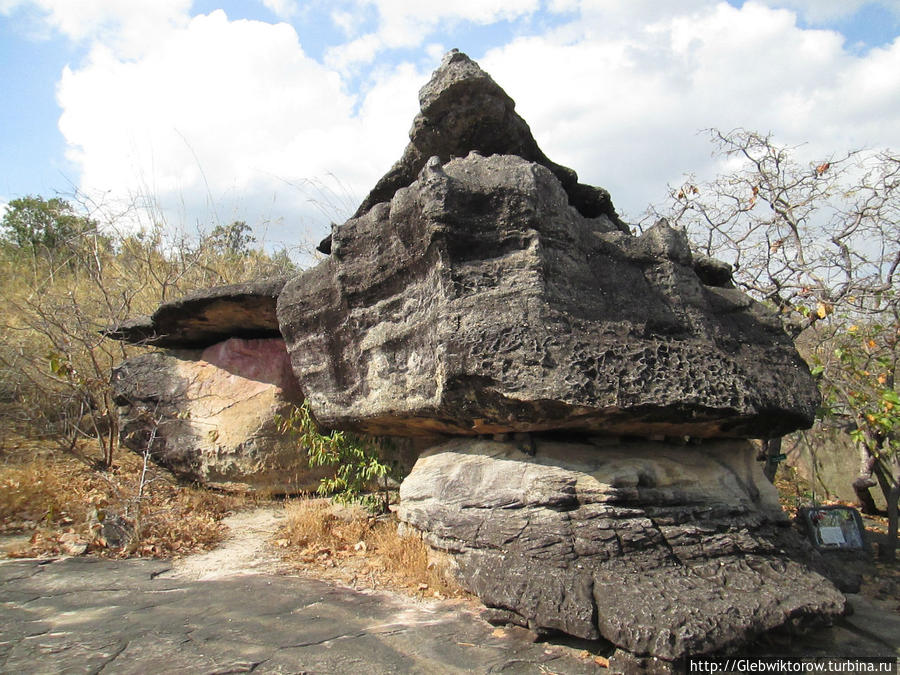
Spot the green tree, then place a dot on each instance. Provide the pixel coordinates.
(45, 227)
(233, 239)
(358, 461)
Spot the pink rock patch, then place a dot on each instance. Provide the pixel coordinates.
(264, 360)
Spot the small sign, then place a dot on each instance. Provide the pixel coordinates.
(832, 536)
(833, 527)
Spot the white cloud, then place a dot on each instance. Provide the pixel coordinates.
(131, 28)
(232, 114)
(620, 97)
(405, 24)
(824, 11)
(233, 117)
(284, 9)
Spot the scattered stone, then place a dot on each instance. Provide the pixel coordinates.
(209, 415)
(663, 551)
(72, 544)
(478, 301)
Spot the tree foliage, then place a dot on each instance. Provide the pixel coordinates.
(48, 227)
(820, 243)
(357, 460)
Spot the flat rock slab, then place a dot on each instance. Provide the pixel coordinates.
(479, 301)
(84, 615)
(208, 316)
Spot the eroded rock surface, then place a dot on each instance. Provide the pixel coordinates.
(663, 550)
(208, 316)
(463, 110)
(210, 414)
(479, 301)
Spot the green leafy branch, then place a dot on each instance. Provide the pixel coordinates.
(358, 460)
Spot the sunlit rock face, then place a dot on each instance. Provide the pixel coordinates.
(663, 550)
(478, 300)
(209, 415)
(205, 317)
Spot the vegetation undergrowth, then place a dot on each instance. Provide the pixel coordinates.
(358, 461)
(62, 503)
(348, 544)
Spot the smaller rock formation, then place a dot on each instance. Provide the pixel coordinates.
(666, 551)
(209, 415)
(208, 316)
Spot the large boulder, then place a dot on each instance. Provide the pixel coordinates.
(665, 551)
(210, 315)
(209, 415)
(478, 300)
(462, 110)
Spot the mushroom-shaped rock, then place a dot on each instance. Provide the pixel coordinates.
(479, 300)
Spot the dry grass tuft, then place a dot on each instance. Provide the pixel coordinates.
(348, 544)
(61, 501)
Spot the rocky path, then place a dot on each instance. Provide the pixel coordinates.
(229, 611)
(247, 549)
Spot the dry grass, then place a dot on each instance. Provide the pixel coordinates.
(347, 544)
(60, 501)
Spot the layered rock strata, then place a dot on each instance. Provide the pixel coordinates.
(665, 551)
(481, 289)
(478, 300)
(208, 316)
(209, 415)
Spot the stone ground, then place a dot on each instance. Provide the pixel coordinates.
(234, 610)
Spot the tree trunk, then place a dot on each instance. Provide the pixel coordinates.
(772, 448)
(864, 481)
(890, 550)
(888, 473)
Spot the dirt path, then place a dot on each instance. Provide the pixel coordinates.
(247, 549)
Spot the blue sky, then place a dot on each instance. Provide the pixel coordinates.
(283, 113)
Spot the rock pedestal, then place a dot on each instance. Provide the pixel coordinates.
(665, 551)
(480, 289)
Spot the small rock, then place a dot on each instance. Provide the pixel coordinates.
(72, 544)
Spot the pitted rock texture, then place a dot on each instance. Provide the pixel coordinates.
(464, 110)
(479, 301)
(208, 316)
(663, 550)
(210, 415)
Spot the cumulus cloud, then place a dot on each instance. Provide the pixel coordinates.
(621, 97)
(824, 11)
(232, 112)
(131, 28)
(404, 24)
(233, 119)
(284, 9)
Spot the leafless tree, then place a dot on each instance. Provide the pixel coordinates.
(820, 243)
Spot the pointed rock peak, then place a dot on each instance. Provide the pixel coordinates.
(464, 110)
